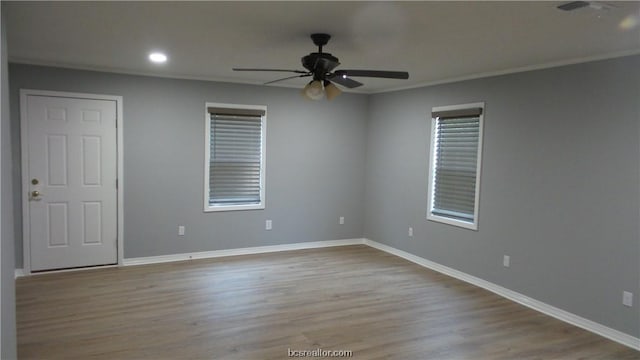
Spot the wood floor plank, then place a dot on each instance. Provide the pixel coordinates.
(259, 306)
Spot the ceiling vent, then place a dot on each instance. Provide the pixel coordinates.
(575, 5)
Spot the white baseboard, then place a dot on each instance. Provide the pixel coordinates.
(19, 273)
(573, 319)
(240, 251)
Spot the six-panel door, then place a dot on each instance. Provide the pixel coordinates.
(72, 154)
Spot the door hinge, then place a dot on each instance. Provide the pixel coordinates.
(116, 183)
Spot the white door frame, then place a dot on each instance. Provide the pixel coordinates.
(24, 93)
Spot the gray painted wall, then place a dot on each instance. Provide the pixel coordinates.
(7, 294)
(560, 186)
(314, 163)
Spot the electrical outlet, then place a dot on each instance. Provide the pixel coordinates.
(180, 230)
(506, 261)
(268, 225)
(627, 298)
(410, 232)
(341, 220)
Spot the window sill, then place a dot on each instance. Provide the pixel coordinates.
(233, 207)
(454, 222)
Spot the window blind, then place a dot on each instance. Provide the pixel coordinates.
(456, 160)
(235, 157)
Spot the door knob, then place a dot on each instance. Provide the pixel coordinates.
(35, 193)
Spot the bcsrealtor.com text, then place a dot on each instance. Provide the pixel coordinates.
(319, 353)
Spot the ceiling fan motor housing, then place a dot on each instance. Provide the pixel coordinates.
(320, 64)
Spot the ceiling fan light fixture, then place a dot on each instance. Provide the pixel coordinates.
(331, 90)
(314, 90)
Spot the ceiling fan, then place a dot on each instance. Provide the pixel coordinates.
(320, 66)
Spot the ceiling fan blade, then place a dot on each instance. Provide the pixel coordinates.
(287, 78)
(374, 73)
(344, 81)
(276, 70)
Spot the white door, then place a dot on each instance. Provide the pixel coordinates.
(71, 182)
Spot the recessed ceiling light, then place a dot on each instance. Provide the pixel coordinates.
(158, 57)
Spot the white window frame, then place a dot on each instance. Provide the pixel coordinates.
(432, 161)
(207, 157)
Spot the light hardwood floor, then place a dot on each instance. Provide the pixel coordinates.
(258, 306)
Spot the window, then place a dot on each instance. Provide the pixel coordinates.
(454, 171)
(234, 160)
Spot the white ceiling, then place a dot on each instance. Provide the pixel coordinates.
(433, 41)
